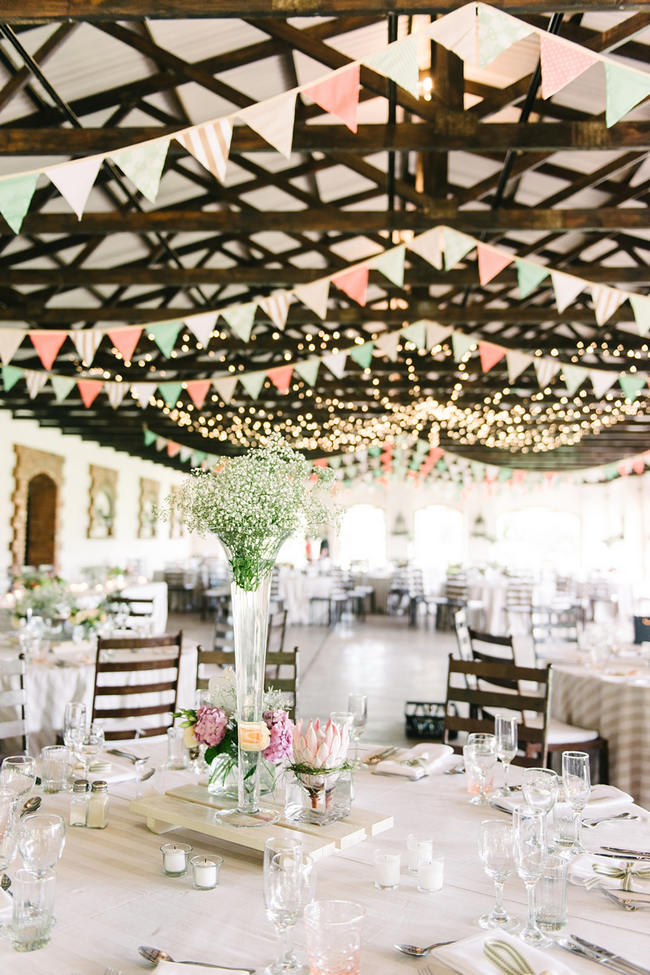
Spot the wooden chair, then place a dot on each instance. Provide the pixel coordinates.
(13, 703)
(479, 701)
(281, 671)
(136, 695)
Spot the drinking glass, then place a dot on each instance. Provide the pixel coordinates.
(8, 828)
(540, 788)
(505, 732)
(41, 838)
(333, 930)
(576, 781)
(90, 744)
(496, 850)
(18, 774)
(55, 760)
(358, 708)
(33, 910)
(528, 826)
(481, 750)
(552, 894)
(283, 896)
(74, 724)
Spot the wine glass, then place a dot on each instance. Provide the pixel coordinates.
(540, 788)
(481, 750)
(90, 744)
(496, 850)
(576, 781)
(506, 734)
(18, 774)
(358, 708)
(41, 838)
(283, 896)
(528, 826)
(8, 827)
(74, 724)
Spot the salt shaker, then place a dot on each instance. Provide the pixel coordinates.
(79, 803)
(98, 805)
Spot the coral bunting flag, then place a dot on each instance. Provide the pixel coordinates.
(89, 389)
(491, 262)
(339, 95)
(125, 340)
(280, 376)
(354, 283)
(490, 354)
(47, 345)
(197, 390)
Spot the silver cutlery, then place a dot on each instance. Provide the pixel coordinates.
(380, 756)
(456, 770)
(147, 775)
(504, 809)
(154, 955)
(5, 884)
(643, 854)
(591, 824)
(136, 759)
(417, 952)
(629, 902)
(31, 805)
(603, 852)
(609, 955)
(583, 949)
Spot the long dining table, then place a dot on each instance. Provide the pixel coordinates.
(112, 896)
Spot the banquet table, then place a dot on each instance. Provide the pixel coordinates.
(297, 589)
(112, 896)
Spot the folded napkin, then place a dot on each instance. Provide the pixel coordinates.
(466, 957)
(605, 800)
(417, 762)
(113, 772)
(621, 874)
(178, 968)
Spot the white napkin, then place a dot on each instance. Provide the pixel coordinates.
(121, 771)
(417, 762)
(466, 957)
(605, 800)
(178, 968)
(582, 869)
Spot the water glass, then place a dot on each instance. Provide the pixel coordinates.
(576, 782)
(342, 720)
(540, 787)
(33, 910)
(55, 763)
(333, 931)
(284, 896)
(496, 850)
(74, 722)
(481, 752)
(507, 739)
(18, 774)
(529, 848)
(8, 828)
(358, 708)
(177, 754)
(90, 744)
(562, 826)
(41, 838)
(551, 896)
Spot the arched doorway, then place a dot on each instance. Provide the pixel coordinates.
(40, 527)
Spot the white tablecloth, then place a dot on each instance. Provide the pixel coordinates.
(297, 589)
(112, 897)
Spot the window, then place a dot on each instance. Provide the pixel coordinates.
(440, 538)
(363, 536)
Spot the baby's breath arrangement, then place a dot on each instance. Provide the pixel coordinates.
(254, 502)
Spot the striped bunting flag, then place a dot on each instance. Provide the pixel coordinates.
(209, 144)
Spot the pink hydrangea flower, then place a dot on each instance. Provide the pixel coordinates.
(280, 727)
(210, 726)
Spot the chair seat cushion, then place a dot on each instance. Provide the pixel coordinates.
(559, 732)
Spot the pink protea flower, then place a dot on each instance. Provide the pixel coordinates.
(280, 727)
(320, 747)
(210, 726)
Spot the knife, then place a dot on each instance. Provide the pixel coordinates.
(576, 949)
(643, 854)
(380, 756)
(643, 858)
(610, 955)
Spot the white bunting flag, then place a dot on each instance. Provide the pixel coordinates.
(606, 300)
(209, 144)
(74, 180)
(546, 369)
(142, 393)
(437, 333)
(276, 307)
(10, 339)
(641, 308)
(458, 32)
(429, 246)
(273, 120)
(225, 387)
(387, 343)
(314, 295)
(35, 382)
(566, 288)
(601, 381)
(87, 341)
(336, 363)
(116, 393)
(202, 326)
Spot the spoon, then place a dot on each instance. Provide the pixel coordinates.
(418, 952)
(31, 805)
(154, 955)
(5, 883)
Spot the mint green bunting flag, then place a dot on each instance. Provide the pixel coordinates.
(625, 89)
(10, 376)
(170, 392)
(149, 438)
(198, 457)
(362, 354)
(165, 336)
(441, 466)
(416, 333)
(252, 382)
(61, 386)
(529, 276)
(505, 473)
(610, 471)
(631, 385)
(143, 165)
(574, 376)
(399, 62)
(374, 451)
(308, 370)
(641, 308)
(391, 264)
(461, 344)
(478, 470)
(241, 319)
(456, 247)
(15, 197)
(497, 32)
(334, 462)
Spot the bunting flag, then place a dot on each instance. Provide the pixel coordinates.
(388, 344)
(61, 386)
(601, 381)
(225, 387)
(87, 342)
(314, 295)
(491, 262)
(399, 62)
(149, 437)
(391, 264)
(566, 288)
(10, 340)
(416, 333)
(496, 33)
(631, 385)
(161, 443)
(170, 392)
(173, 448)
(273, 120)
(197, 390)
(461, 345)
(253, 382)
(338, 94)
(142, 392)
(125, 340)
(209, 144)
(490, 354)
(276, 307)
(89, 390)
(625, 89)
(641, 308)
(165, 335)
(457, 246)
(545, 370)
(35, 382)
(15, 196)
(529, 276)
(308, 370)
(143, 164)
(336, 363)
(574, 376)
(202, 326)
(280, 376)
(362, 354)
(47, 345)
(75, 180)
(561, 63)
(10, 376)
(353, 283)
(429, 246)
(458, 32)
(116, 393)
(241, 318)
(436, 334)
(606, 301)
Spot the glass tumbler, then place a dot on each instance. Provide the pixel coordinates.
(55, 763)
(551, 894)
(33, 910)
(333, 931)
(177, 753)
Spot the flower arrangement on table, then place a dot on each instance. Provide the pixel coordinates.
(319, 757)
(41, 595)
(89, 619)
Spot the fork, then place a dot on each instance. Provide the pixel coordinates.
(426, 970)
(112, 971)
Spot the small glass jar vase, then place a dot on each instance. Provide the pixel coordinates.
(313, 799)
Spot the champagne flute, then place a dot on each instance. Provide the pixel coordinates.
(528, 826)
(18, 774)
(496, 850)
(284, 884)
(506, 734)
(41, 838)
(74, 725)
(576, 781)
(540, 788)
(358, 708)
(481, 750)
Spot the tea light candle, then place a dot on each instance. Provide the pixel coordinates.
(174, 858)
(417, 851)
(387, 870)
(205, 871)
(431, 874)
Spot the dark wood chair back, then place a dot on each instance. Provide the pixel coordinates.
(281, 671)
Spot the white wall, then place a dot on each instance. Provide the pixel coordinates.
(75, 550)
